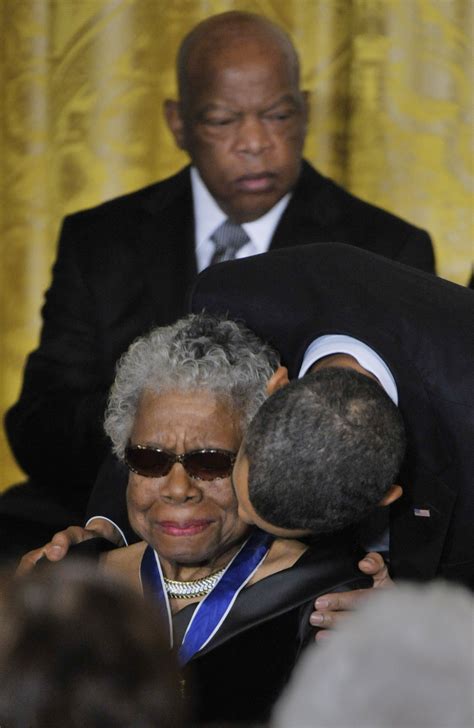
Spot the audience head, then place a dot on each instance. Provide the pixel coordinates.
(404, 659)
(320, 454)
(79, 649)
(241, 115)
(181, 401)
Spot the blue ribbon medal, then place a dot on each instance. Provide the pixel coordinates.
(214, 608)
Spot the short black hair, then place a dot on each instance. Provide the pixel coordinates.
(323, 451)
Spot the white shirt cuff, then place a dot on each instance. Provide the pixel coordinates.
(367, 358)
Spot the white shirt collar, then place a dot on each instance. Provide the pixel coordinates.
(208, 216)
(367, 358)
(261, 231)
(207, 213)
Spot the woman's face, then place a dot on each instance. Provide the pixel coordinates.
(188, 521)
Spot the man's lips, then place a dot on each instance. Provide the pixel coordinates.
(261, 182)
(185, 528)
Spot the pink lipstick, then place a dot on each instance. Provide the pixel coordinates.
(186, 528)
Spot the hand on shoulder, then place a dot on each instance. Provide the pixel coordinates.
(331, 609)
(59, 545)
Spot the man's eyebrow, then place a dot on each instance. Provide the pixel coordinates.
(224, 107)
(213, 106)
(286, 99)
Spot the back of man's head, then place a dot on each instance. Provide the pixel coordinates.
(323, 451)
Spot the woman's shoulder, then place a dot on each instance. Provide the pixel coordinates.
(125, 561)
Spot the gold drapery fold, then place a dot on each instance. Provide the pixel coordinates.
(83, 81)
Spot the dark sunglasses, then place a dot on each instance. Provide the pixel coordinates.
(151, 462)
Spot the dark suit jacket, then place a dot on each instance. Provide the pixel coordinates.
(240, 673)
(423, 328)
(124, 267)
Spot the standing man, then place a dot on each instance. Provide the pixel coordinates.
(333, 305)
(124, 266)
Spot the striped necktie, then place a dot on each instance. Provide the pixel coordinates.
(228, 239)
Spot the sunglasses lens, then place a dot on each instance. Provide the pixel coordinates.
(209, 465)
(148, 462)
(204, 465)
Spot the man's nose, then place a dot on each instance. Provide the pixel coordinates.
(179, 487)
(252, 135)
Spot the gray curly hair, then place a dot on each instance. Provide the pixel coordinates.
(199, 351)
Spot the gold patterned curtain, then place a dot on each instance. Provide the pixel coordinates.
(81, 88)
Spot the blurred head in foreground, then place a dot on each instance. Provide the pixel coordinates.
(406, 659)
(80, 649)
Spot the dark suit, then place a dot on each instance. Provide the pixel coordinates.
(122, 268)
(261, 640)
(423, 328)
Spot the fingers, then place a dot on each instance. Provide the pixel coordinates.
(329, 622)
(60, 543)
(323, 620)
(341, 601)
(373, 565)
(328, 605)
(333, 609)
(56, 549)
(321, 635)
(28, 561)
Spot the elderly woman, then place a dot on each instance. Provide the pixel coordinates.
(237, 599)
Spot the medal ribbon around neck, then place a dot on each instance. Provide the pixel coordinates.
(214, 608)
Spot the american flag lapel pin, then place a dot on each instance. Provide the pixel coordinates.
(422, 512)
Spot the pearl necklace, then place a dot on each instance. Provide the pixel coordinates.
(192, 589)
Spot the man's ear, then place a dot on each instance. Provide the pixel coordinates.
(174, 119)
(392, 494)
(278, 379)
(307, 106)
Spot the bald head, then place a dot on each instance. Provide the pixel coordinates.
(241, 115)
(216, 36)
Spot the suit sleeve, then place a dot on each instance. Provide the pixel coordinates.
(417, 251)
(55, 428)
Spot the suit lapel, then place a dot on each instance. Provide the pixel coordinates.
(312, 215)
(167, 237)
(303, 220)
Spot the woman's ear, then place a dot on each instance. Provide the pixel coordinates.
(392, 494)
(278, 379)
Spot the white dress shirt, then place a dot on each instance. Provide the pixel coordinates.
(367, 358)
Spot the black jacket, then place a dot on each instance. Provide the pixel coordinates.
(423, 328)
(240, 674)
